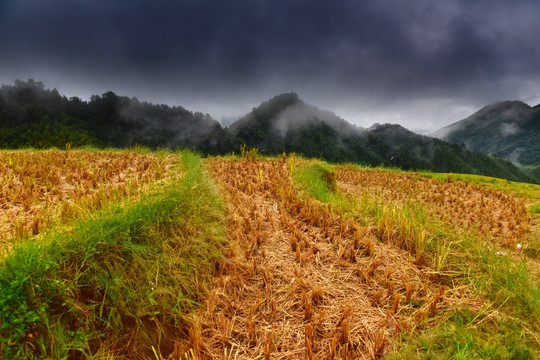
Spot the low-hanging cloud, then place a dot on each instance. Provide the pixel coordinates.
(508, 129)
(179, 126)
(301, 115)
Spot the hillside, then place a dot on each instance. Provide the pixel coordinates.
(286, 123)
(509, 129)
(32, 116)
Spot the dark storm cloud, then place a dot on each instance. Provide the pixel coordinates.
(392, 52)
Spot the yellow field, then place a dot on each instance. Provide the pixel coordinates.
(464, 205)
(39, 188)
(391, 255)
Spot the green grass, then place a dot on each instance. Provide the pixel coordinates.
(506, 329)
(318, 179)
(127, 275)
(468, 335)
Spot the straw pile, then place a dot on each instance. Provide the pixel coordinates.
(301, 280)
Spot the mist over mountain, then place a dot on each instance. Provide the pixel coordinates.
(33, 116)
(508, 129)
(286, 123)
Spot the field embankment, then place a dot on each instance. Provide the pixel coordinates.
(483, 237)
(40, 189)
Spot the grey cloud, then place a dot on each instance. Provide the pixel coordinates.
(371, 52)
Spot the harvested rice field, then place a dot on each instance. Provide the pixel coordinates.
(264, 258)
(41, 188)
(304, 279)
(463, 205)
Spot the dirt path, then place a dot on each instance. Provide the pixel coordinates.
(301, 281)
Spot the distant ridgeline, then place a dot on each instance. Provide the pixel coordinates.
(32, 116)
(509, 129)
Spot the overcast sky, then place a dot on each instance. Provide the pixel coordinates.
(420, 63)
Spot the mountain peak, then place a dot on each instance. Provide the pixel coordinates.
(509, 105)
(490, 116)
(508, 129)
(278, 103)
(287, 111)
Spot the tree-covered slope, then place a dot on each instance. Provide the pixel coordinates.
(509, 129)
(32, 116)
(285, 123)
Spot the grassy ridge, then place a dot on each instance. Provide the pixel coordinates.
(507, 327)
(118, 283)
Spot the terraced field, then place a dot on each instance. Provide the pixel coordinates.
(39, 188)
(271, 258)
(306, 279)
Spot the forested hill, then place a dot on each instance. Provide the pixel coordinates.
(285, 123)
(509, 129)
(33, 116)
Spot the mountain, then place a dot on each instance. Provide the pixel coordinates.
(286, 123)
(509, 129)
(32, 116)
